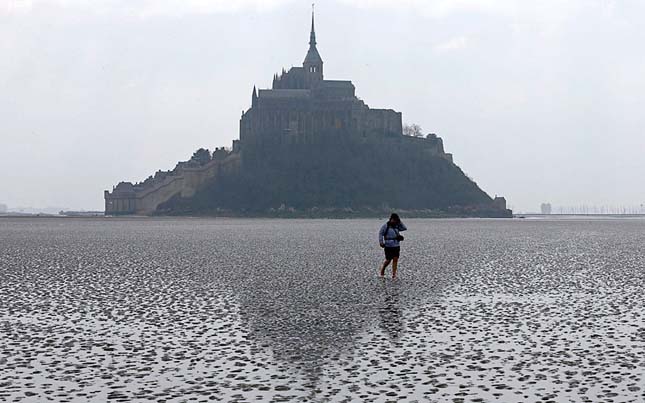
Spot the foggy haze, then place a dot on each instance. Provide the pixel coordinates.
(537, 102)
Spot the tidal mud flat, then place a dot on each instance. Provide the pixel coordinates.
(292, 310)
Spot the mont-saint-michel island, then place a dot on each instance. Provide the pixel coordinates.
(310, 146)
(332, 251)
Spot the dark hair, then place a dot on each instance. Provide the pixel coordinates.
(395, 217)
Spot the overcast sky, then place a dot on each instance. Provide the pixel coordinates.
(538, 101)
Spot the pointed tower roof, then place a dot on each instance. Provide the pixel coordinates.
(312, 35)
(313, 57)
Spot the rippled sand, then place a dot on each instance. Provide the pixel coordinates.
(290, 310)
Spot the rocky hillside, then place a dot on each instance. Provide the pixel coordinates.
(332, 179)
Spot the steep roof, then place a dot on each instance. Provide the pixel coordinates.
(313, 57)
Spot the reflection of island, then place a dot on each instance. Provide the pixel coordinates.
(391, 319)
(308, 311)
(308, 321)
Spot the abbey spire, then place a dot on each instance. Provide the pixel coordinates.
(313, 63)
(312, 35)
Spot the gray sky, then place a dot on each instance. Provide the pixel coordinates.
(538, 101)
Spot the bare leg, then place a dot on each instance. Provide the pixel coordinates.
(395, 263)
(383, 266)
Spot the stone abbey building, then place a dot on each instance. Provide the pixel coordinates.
(301, 109)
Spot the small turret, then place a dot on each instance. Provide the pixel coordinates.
(254, 97)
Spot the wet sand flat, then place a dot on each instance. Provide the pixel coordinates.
(245, 310)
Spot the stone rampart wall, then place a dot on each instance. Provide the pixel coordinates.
(432, 146)
(184, 182)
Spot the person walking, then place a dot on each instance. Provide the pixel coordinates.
(390, 240)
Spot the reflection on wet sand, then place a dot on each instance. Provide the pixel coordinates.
(391, 318)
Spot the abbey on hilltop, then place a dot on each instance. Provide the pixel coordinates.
(310, 146)
(303, 107)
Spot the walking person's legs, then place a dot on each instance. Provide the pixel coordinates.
(383, 266)
(395, 263)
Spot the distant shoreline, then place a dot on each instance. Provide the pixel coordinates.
(579, 215)
(298, 217)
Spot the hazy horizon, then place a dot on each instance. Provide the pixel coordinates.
(537, 102)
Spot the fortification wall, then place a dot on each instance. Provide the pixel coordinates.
(386, 120)
(432, 146)
(149, 199)
(184, 182)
